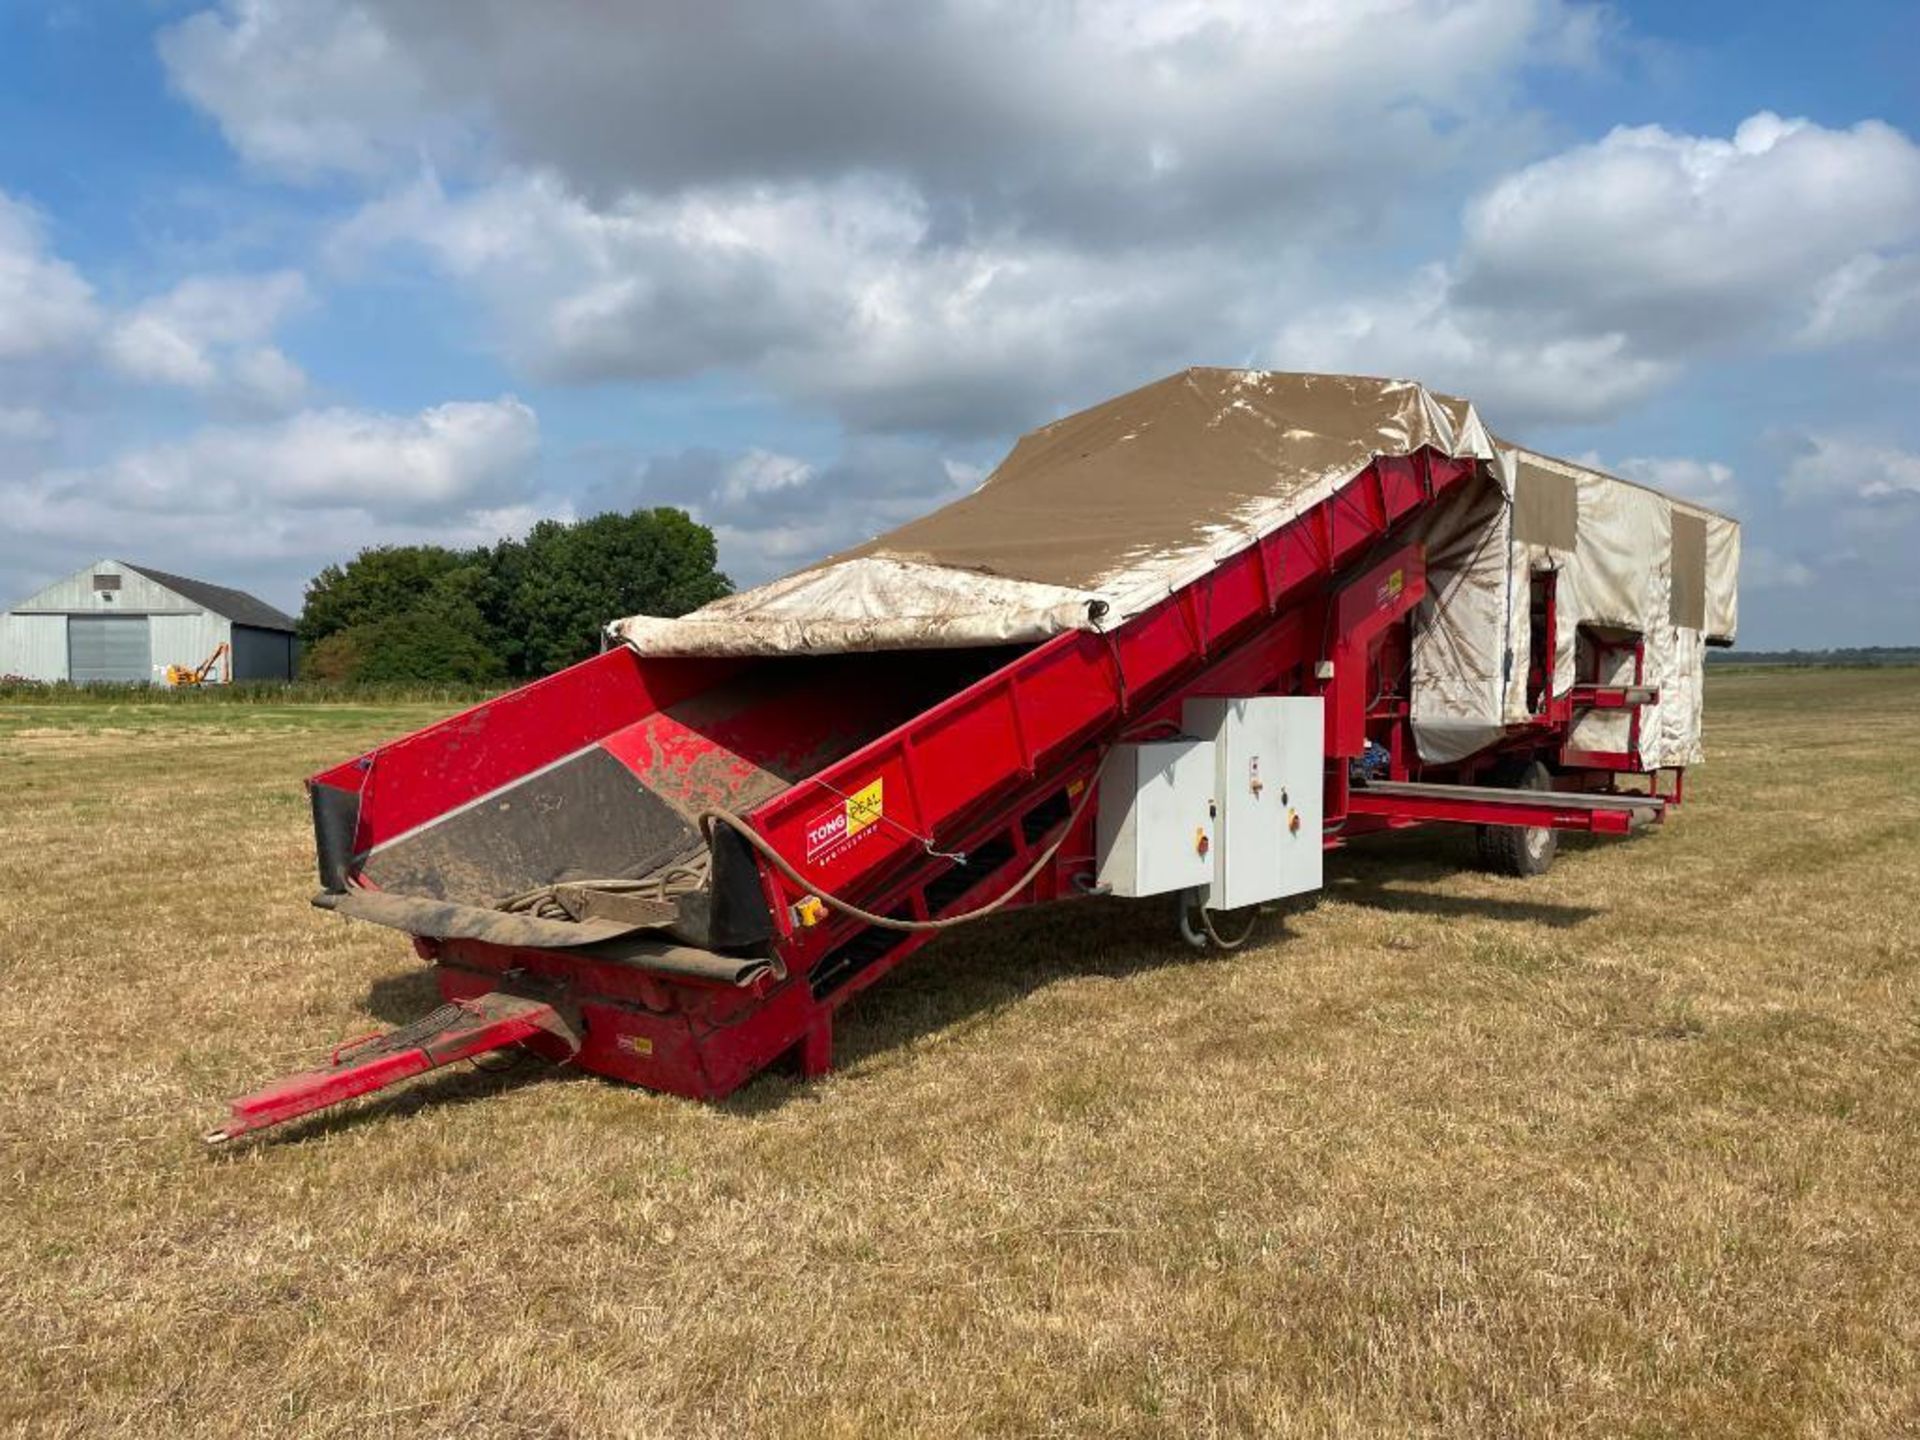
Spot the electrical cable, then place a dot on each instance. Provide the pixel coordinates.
(1121, 696)
(694, 875)
(501, 1062)
(710, 818)
(1206, 923)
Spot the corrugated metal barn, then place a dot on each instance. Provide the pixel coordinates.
(127, 623)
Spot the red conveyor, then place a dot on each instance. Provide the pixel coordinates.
(914, 785)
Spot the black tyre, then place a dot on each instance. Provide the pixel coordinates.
(1510, 849)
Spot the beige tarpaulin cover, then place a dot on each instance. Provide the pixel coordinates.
(1120, 505)
(1619, 579)
(1098, 517)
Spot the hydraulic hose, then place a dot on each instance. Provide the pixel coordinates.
(710, 818)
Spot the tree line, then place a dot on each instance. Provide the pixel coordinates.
(514, 610)
(1849, 656)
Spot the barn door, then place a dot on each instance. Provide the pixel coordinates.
(110, 648)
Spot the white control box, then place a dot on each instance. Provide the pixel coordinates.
(1269, 773)
(1154, 828)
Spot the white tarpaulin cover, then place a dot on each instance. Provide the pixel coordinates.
(1628, 573)
(1098, 517)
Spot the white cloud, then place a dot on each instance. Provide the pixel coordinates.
(839, 296)
(462, 456)
(643, 288)
(264, 375)
(1682, 240)
(955, 216)
(1869, 296)
(1589, 280)
(1763, 568)
(771, 511)
(46, 308)
(1515, 373)
(1070, 116)
(1015, 207)
(752, 479)
(25, 423)
(1710, 482)
(958, 217)
(309, 485)
(1836, 566)
(280, 498)
(1837, 468)
(209, 334)
(301, 87)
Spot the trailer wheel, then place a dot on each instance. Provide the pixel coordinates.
(1512, 849)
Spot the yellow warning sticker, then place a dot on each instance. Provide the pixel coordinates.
(864, 807)
(832, 831)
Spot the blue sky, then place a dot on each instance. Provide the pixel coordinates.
(280, 279)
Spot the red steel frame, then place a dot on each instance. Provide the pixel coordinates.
(373, 1062)
(991, 772)
(1596, 769)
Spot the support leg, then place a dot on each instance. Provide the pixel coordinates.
(816, 1048)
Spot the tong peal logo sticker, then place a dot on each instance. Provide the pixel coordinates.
(833, 831)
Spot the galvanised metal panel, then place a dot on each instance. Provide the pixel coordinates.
(185, 640)
(262, 654)
(34, 646)
(134, 594)
(114, 648)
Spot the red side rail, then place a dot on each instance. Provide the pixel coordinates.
(1481, 805)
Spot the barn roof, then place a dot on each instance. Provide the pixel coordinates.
(235, 605)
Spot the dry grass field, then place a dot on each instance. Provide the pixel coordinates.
(1633, 1149)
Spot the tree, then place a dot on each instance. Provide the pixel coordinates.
(414, 646)
(568, 581)
(520, 608)
(375, 584)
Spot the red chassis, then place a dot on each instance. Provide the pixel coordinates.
(916, 786)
